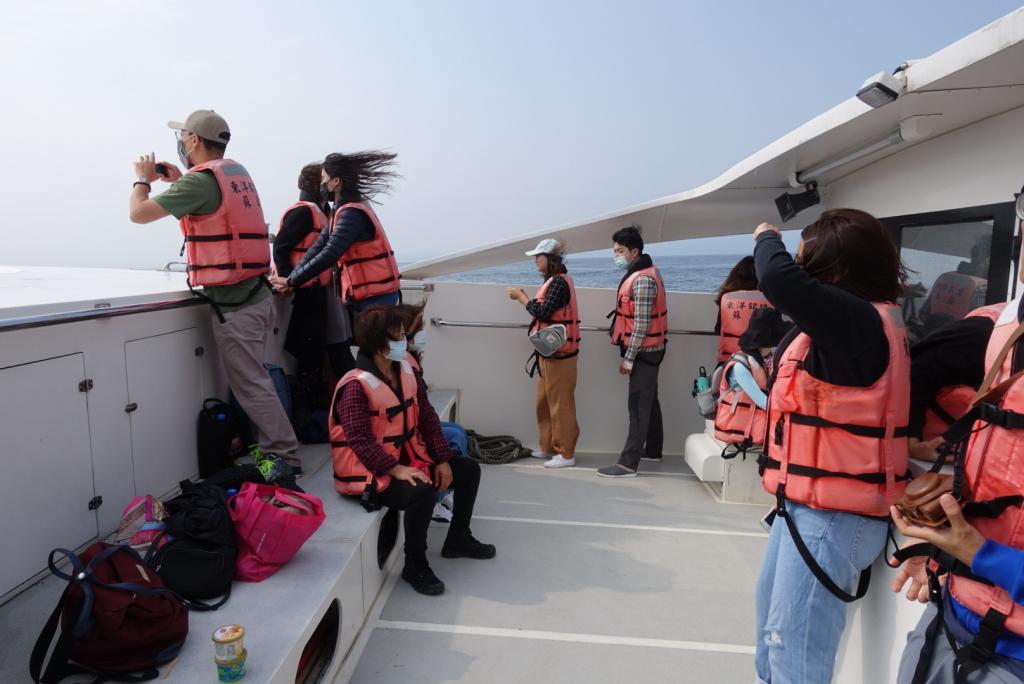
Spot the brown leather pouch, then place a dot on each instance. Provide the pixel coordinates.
(920, 503)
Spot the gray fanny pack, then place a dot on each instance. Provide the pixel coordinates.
(549, 340)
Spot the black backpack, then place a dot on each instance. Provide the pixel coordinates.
(220, 436)
(196, 554)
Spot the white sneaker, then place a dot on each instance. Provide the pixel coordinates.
(541, 454)
(448, 501)
(442, 514)
(559, 461)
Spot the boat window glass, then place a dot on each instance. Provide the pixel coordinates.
(949, 267)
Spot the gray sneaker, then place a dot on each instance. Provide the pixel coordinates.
(616, 470)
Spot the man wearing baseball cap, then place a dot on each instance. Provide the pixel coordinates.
(228, 254)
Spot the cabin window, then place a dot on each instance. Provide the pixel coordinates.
(958, 260)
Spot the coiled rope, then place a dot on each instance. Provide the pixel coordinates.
(497, 449)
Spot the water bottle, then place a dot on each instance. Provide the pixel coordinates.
(702, 383)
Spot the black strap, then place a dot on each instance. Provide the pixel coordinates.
(203, 607)
(533, 365)
(943, 415)
(224, 237)
(230, 265)
(382, 255)
(992, 508)
(769, 463)
(389, 279)
(858, 430)
(812, 565)
(931, 634)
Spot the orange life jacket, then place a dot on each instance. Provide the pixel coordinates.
(994, 469)
(840, 448)
(735, 310)
(950, 403)
(394, 424)
(231, 244)
(625, 312)
(299, 250)
(739, 421)
(368, 267)
(951, 294)
(568, 315)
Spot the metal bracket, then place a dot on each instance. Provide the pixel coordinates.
(85, 385)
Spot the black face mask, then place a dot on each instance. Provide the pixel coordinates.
(325, 194)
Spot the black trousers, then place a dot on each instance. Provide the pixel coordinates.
(418, 503)
(646, 432)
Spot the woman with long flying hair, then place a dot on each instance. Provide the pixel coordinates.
(356, 241)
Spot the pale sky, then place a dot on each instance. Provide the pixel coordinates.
(507, 117)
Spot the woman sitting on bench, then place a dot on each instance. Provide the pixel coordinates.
(386, 441)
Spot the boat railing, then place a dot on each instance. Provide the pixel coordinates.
(440, 322)
(99, 310)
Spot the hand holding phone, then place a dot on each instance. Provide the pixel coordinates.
(162, 169)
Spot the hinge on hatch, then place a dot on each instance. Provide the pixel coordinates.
(130, 408)
(85, 385)
(95, 502)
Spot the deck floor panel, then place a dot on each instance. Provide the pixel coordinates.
(625, 583)
(412, 657)
(673, 497)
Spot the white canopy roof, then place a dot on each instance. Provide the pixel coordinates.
(979, 76)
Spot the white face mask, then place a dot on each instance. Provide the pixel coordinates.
(419, 340)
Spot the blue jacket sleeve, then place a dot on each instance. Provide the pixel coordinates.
(745, 379)
(1002, 565)
(353, 225)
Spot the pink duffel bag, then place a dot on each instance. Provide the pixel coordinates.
(271, 525)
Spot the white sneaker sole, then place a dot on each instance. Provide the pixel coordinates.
(563, 464)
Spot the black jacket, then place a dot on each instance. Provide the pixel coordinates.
(848, 343)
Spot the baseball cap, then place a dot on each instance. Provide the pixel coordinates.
(548, 246)
(205, 123)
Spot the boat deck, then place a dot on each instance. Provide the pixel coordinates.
(643, 579)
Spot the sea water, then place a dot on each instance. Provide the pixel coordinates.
(702, 273)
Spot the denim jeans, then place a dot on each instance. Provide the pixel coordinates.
(799, 622)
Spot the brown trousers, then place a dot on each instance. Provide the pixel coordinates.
(241, 340)
(556, 406)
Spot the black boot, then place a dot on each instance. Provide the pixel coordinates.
(461, 544)
(422, 578)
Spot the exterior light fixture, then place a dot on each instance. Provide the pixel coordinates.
(883, 87)
(814, 172)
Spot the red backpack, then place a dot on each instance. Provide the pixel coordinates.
(116, 617)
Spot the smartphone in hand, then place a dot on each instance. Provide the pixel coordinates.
(162, 170)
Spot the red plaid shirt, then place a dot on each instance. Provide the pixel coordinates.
(352, 411)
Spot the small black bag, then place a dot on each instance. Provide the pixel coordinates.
(219, 436)
(198, 560)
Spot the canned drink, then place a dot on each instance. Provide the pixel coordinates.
(233, 670)
(227, 643)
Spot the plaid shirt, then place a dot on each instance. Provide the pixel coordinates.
(645, 291)
(556, 298)
(352, 411)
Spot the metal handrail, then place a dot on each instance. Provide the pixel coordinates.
(101, 310)
(440, 322)
(421, 287)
